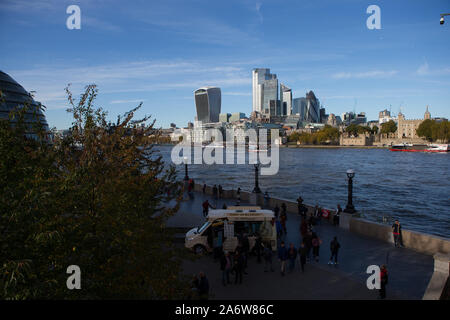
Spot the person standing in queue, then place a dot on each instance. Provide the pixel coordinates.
(383, 281)
(303, 252)
(225, 266)
(397, 231)
(334, 247)
(282, 256)
(203, 287)
(238, 267)
(206, 205)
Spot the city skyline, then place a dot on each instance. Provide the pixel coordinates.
(143, 52)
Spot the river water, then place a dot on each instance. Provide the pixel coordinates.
(411, 186)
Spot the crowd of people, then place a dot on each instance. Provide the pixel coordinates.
(234, 264)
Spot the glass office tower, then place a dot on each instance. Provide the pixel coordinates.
(208, 103)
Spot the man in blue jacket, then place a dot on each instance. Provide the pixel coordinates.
(282, 256)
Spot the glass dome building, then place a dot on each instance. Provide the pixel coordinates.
(13, 95)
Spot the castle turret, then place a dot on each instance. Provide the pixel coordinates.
(427, 115)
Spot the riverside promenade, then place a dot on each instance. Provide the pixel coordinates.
(409, 271)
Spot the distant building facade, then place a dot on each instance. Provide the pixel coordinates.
(208, 102)
(385, 116)
(299, 107)
(407, 128)
(286, 100)
(236, 116)
(224, 117)
(264, 89)
(14, 95)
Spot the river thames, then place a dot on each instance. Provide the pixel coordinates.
(411, 186)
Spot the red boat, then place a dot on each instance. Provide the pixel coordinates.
(409, 147)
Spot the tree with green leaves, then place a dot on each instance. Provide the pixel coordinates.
(388, 127)
(432, 130)
(98, 198)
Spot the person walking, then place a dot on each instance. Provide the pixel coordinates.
(266, 199)
(396, 231)
(203, 286)
(337, 215)
(292, 255)
(215, 192)
(258, 247)
(193, 294)
(238, 267)
(383, 281)
(300, 205)
(308, 244)
(206, 205)
(303, 252)
(220, 191)
(282, 256)
(276, 210)
(303, 227)
(204, 188)
(316, 246)
(284, 210)
(334, 247)
(225, 266)
(245, 250)
(283, 219)
(268, 257)
(279, 228)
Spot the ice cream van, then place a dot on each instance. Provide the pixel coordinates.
(223, 227)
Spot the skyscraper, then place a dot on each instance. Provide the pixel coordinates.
(286, 100)
(312, 108)
(265, 88)
(208, 102)
(299, 107)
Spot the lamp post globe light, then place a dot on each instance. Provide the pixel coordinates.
(350, 208)
(186, 177)
(256, 189)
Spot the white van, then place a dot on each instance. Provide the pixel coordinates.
(223, 226)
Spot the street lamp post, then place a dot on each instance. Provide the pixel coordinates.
(186, 177)
(256, 189)
(350, 208)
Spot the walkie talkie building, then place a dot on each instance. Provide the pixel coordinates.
(208, 102)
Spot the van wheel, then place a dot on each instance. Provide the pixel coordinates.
(199, 249)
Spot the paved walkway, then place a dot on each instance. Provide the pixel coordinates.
(409, 271)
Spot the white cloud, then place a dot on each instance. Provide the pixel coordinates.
(258, 11)
(423, 69)
(367, 74)
(135, 76)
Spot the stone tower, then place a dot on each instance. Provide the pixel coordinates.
(427, 115)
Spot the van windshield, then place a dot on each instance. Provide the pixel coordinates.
(203, 227)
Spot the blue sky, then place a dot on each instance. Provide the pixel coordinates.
(159, 52)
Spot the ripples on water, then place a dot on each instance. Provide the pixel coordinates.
(411, 186)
